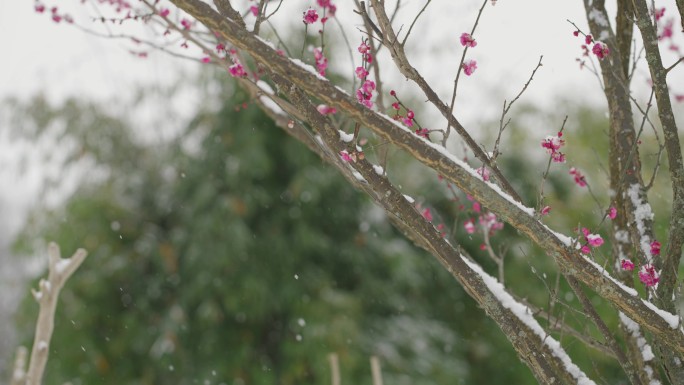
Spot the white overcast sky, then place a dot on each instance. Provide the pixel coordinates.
(60, 61)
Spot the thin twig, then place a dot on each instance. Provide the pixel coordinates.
(458, 74)
(403, 42)
(507, 108)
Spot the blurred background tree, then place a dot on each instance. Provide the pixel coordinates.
(231, 255)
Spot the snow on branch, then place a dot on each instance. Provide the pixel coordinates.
(524, 314)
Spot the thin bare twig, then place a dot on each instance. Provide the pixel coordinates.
(507, 108)
(415, 19)
(458, 75)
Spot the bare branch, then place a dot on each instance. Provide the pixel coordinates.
(59, 271)
(415, 19)
(507, 108)
(674, 155)
(226, 9)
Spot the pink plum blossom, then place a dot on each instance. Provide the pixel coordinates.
(469, 66)
(648, 276)
(361, 73)
(612, 213)
(579, 178)
(477, 207)
(321, 61)
(310, 16)
(469, 226)
(545, 210)
(601, 50)
(594, 240)
(325, 109)
(365, 93)
(490, 222)
(552, 144)
(164, 12)
(483, 172)
(345, 156)
(427, 214)
(668, 30)
(626, 264)
(467, 40)
(655, 248)
(237, 71)
(327, 5)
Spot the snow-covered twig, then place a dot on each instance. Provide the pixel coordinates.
(59, 271)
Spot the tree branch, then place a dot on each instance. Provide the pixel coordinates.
(59, 271)
(660, 323)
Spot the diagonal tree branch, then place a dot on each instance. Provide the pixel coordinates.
(514, 319)
(390, 40)
(675, 242)
(662, 324)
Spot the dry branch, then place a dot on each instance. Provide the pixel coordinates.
(59, 271)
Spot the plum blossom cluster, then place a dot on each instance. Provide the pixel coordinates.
(469, 66)
(310, 16)
(552, 144)
(467, 40)
(612, 213)
(365, 93)
(666, 27)
(254, 9)
(329, 9)
(355, 153)
(55, 15)
(579, 178)
(591, 240)
(409, 119)
(488, 221)
(427, 214)
(321, 61)
(325, 109)
(599, 48)
(647, 274)
(236, 70)
(351, 157)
